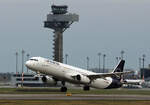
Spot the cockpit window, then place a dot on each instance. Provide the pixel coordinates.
(33, 59)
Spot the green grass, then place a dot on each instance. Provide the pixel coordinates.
(73, 91)
(48, 102)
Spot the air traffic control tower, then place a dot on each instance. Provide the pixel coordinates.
(59, 20)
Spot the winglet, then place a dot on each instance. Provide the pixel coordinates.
(119, 67)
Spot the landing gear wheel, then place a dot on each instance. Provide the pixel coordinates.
(63, 89)
(86, 88)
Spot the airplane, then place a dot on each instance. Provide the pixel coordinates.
(66, 73)
(133, 83)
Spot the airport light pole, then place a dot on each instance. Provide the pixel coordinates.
(104, 55)
(23, 60)
(122, 54)
(28, 59)
(66, 58)
(16, 62)
(117, 59)
(143, 59)
(99, 55)
(87, 62)
(23, 52)
(140, 63)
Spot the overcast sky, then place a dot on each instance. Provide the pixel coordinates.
(106, 26)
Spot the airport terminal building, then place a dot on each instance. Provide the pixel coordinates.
(145, 73)
(17, 80)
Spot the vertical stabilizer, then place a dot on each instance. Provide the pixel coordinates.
(119, 67)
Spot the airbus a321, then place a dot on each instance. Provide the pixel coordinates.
(56, 71)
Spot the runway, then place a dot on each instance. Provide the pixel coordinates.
(73, 97)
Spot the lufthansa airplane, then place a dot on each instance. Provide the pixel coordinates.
(56, 71)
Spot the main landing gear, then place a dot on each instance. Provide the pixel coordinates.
(86, 88)
(63, 88)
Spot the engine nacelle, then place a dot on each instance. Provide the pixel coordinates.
(78, 78)
(83, 79)
(49, 80)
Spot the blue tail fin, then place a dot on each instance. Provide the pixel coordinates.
(119, 67)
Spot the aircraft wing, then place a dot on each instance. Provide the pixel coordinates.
(103, 75)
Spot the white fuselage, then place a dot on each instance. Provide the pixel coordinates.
(134, 82)
(65, 72)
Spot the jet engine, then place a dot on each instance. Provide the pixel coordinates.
(49, 80)
(83, 79)
(78, 78)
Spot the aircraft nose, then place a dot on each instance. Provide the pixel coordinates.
(28, 63)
